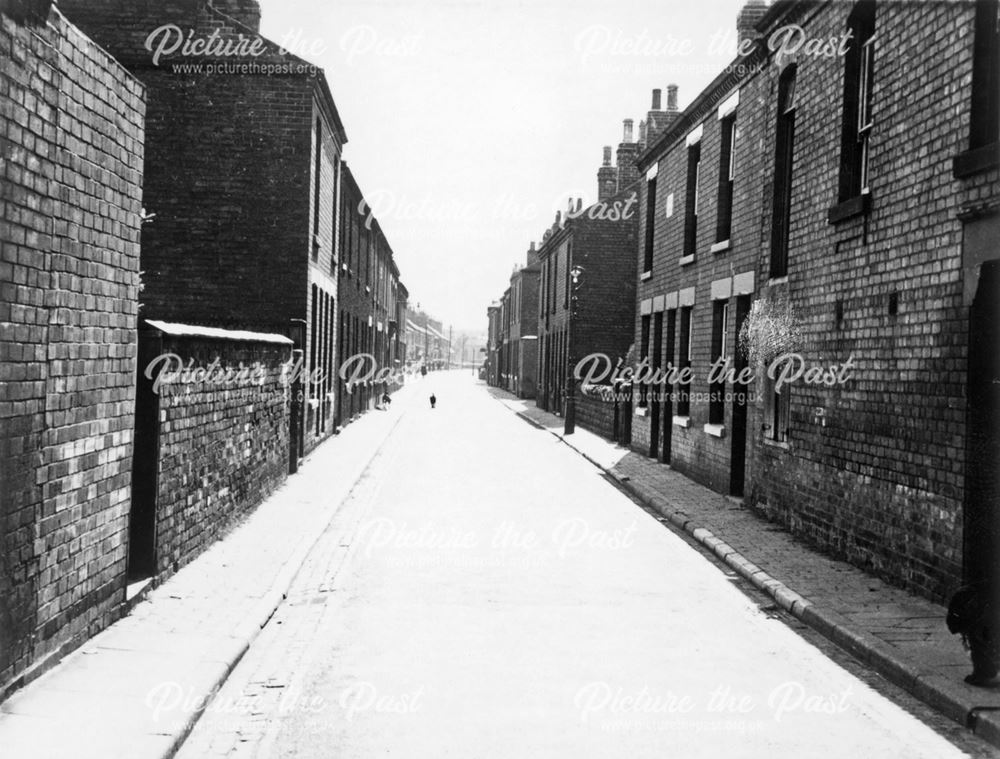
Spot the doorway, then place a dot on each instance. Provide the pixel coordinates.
(657, 390)
(141, 562)
(981, 522)
(738, 450)
(668, 390)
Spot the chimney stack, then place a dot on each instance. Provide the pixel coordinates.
(628, 152)
(746, 20)
(671, 97)
(656, 100)
(607, 177)
(532, 258)
(657, 121)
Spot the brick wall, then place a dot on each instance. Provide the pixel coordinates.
(878, 476)
(596, 415)
(223, 447)
(872, 470)
(71, 136)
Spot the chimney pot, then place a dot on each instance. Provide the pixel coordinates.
(627, 136)
(671, 97)
(607, 155)
(656, 100)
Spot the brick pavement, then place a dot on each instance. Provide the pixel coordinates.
(900, 635)
(136, 689)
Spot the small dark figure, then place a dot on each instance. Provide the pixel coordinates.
(971, 615)
(386, 399)
(423, 371)
(434, 400)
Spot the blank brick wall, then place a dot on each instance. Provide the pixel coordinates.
(71, 135)
(223, 448)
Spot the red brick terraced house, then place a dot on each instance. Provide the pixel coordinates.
(844, 209)
(519, 328)
(592, 312)
(372, 307)
(242, 178)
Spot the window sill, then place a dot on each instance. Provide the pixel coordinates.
(715, 430)
(720, 246)
(770, 443)
(782, 280)
(857, 206)
(685, 260)
(976, 161)
(642, 411)
(645, 275)
(682, 421)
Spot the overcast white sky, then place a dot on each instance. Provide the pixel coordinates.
(471, 121)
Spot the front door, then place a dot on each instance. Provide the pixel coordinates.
(738, 451)
(982, 441)
(656, 390)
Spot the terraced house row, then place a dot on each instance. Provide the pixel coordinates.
(161, 216)
(825, 227)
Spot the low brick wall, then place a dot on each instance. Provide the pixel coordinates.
(222, 446)
(596, 415)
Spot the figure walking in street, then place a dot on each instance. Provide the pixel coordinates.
(434, 400)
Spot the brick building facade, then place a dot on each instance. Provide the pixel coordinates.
(372, 304)
(599, 242)
(72, 137)
(241, 186)
(518, 324)
(843, 208)
(493, 343)
(427, 345)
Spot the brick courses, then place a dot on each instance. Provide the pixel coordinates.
(872, 470)
(223, 447)
(71, 135)
(241, 238)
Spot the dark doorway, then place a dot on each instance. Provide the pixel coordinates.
(657, 390)
(145, 463)
(982, 442)
(738, 451)
(668, 389)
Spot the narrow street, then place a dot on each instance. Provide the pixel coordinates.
(484, 592)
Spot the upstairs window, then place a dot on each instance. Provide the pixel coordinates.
(650, 224)
(859, 77)
(727, 172)
(318, 173)
(783, 159)
(985, 122)
(691, 202)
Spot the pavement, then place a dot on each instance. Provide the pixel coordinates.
(901, 636)
(136, 689)
(487, 592)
